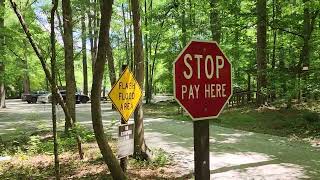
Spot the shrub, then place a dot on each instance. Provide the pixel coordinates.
(311, 117)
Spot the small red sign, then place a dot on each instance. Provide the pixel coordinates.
(202, 79)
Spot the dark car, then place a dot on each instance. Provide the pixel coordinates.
(33, 97)
(80, 98)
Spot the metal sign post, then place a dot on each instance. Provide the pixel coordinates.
(125, 96)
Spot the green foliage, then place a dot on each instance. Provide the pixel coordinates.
(311, 117)
(160, 159)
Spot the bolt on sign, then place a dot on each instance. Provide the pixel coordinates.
(202, 79)
(126, 94)
(125, 140)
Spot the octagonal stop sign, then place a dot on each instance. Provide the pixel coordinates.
(202, 79)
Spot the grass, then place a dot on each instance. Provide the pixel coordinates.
(296, 122)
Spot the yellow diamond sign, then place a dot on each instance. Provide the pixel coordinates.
(125, 94)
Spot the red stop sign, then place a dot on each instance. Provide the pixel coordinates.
(202, 79)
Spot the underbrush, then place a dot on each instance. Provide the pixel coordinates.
(160, 159)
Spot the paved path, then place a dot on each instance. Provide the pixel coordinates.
(234, 154)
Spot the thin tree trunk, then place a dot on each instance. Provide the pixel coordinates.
(146, 54)
(84, 52)
(215, 21)
(153, 67)
(90, 32)
(69, 62)
(26, 78)
(183, 25)
(273, 62)
(130, 38)
(53, 83)
(112, 72)
(2, 64)
(140, 147)
(261, 50)
(125, 35)
(95, 31)
(108, 156)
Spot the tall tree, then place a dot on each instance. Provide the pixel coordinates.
(125, 34)
(261, 11)
(84, 50)
(69, 62)
(105, 149)
(53, 83)
(183, 23)
(146, 54)
(215, 24)
(26, 78)
(2, 64)
(140, 147)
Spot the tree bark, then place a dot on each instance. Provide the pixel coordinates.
(130, 38)
(26, 78)
(84, 52)
(309, 19)
(146, 54)
(112, 72)
(183, 24)
(108, 156)
(140, 147)
(215, 21)
(125, 35)
(69, 62)
(53, 83)
(273, 62)
(261, 50)
(2, 64)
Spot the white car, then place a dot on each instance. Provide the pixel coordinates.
(46, 98)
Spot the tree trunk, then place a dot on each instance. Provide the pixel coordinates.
(140, 147)
(95, 31)
(273, 62)
(108, 156)
(90, 32)
(261, 50)
(183, 25)
(53, 99)
(112, 72)
(26, 78)
(69, 62)
(84, 52)
(125, 35)
(309, 19)
(215, 21)
(146, 54)
(130, 38)
(2, 64)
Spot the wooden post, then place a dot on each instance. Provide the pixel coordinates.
(201, 149)
(124, 160)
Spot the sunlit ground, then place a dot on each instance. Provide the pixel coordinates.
(234, 154)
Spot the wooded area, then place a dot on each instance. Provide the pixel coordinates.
(274, 48)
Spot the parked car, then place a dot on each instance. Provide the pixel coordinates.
(33, 97)
(80, 98)
(45, 98)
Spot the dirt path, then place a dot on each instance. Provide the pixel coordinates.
(234, 154)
